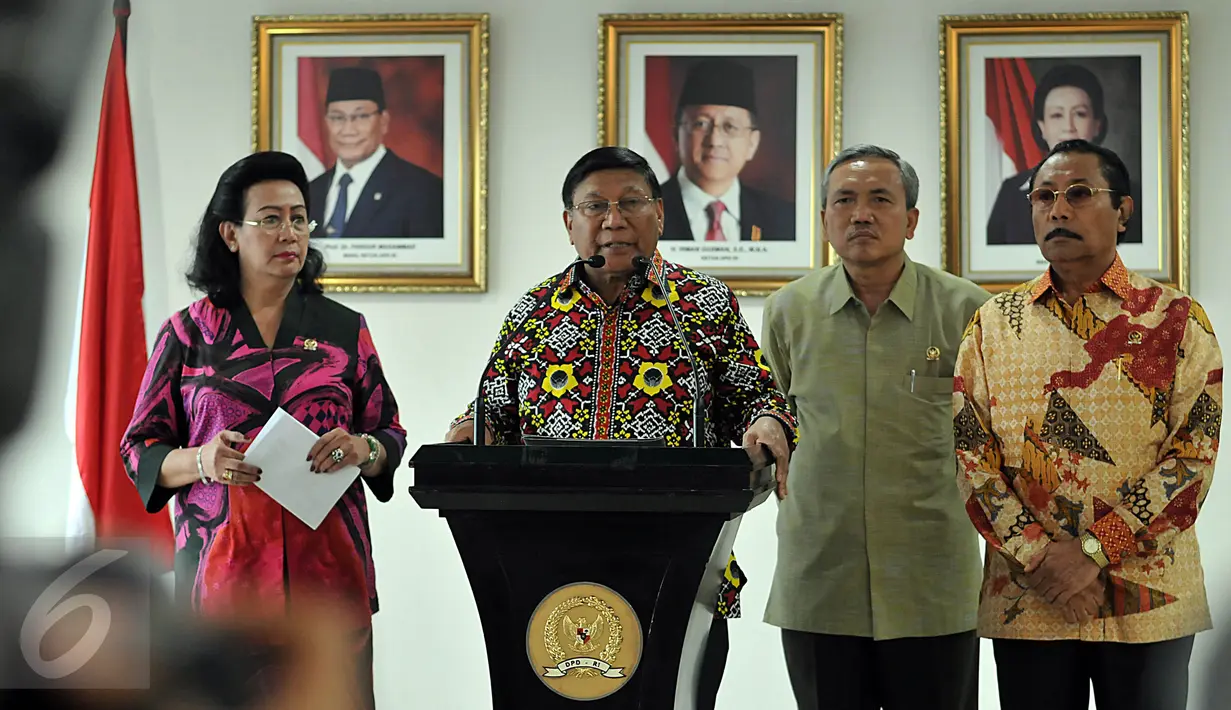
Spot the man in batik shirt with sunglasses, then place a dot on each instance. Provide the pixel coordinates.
(1087, 411)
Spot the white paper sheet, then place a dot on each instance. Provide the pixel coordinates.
(281, 452)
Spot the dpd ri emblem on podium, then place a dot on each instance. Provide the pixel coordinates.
(584, 641)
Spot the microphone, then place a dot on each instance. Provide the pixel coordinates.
(480, 410)
(698, 420)
(638, 280)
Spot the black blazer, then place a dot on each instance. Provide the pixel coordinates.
(411, 202)
(774, 216)
(1012, 223)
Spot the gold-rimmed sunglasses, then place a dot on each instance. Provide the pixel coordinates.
(1076, 195)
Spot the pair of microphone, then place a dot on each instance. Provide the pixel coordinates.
(643, 266)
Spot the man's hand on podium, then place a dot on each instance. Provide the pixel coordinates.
(464, 433)
(768, 432)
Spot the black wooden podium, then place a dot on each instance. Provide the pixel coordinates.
(653, 524)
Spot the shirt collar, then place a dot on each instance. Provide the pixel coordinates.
(361, 171)
(903, 293)
(571, 277)
(1115, 278)
(839, 292)
(697, 199)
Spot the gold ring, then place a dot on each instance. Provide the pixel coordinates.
(228, 475)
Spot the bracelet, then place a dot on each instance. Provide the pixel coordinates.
(201, 467)
(373, 448)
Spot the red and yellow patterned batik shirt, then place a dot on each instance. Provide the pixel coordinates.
(1100, 416)
(575, 367)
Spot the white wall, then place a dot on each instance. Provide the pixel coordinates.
(189, 77)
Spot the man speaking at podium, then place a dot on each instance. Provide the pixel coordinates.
(596, 352)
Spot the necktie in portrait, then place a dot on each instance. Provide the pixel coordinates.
(337, 222)
(715, 210)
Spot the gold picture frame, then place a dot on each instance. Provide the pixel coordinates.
(400, 101)
(1118, 79)
(784, 71)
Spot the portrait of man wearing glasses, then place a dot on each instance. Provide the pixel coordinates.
(716, 135)
(370, 191)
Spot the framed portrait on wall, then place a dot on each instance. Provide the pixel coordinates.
(388, 114)
(738, 115)
(1014, 86)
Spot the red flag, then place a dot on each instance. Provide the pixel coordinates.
(112, 353)
(1010, 94)
(311, 127)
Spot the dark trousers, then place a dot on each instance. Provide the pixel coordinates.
(713, 663)
(855, 673)
(1058, 674)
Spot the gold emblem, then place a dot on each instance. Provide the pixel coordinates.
(309, 344)
(584, 641)
(933, 353)
(1134, 337)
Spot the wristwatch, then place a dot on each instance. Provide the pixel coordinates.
(1093, 549)
(373, 448)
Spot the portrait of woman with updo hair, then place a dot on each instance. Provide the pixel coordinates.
(1069, 103)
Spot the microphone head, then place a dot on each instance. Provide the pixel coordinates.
(641, 262)
(596, 261)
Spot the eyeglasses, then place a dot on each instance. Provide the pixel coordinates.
(701, 126)
(1075, 195)
(338, 119)
(628, 206)
(274, 224)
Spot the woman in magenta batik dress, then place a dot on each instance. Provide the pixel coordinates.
(263, 338)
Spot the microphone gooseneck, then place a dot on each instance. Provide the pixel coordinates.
(643, 265)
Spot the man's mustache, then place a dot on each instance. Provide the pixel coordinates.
(1061, 232)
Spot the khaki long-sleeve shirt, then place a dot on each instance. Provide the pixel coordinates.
(873, 540)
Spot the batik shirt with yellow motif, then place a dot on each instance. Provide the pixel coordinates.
(575, 367)
(1101, 416)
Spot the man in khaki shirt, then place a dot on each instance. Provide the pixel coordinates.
(877, 583)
